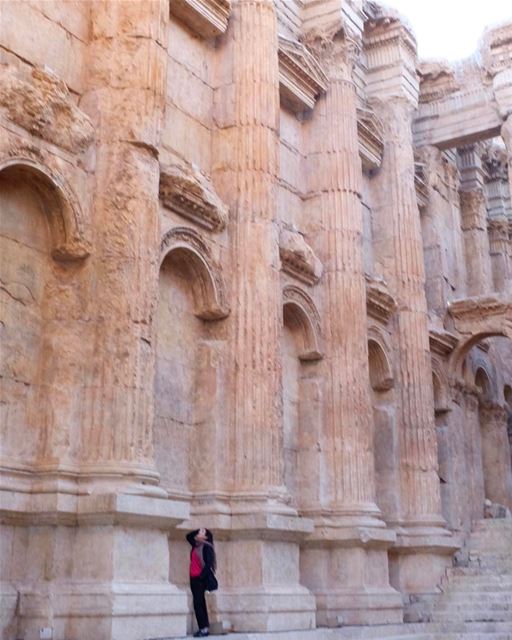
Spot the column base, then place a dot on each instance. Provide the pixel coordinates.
(417, 563)
(74, 611)
(346, 568)
(258, 545)
(78, 565)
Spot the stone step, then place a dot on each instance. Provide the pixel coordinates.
(470, 598)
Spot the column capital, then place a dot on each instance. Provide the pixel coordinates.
(337, 49)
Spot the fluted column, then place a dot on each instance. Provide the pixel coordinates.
(334, 199)
(125, 97)
(474, 223)
(399, 246)
(500, 259)
(393, 92)
(496, 454)
(506, 134)
(246, 172)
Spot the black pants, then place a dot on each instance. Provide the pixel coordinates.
(198, 587)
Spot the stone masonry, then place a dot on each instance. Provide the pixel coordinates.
(255, 275)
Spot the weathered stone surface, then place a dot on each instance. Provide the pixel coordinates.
(255, 275)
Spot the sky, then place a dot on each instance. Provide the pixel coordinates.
(451, 29)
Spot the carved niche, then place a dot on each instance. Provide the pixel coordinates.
(301, 78)
(208, 18)
(298, 258)
(371, 143)
(189, 193)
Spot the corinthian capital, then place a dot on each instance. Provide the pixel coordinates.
(335, 48)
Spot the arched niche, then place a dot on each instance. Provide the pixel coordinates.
(483, 384)
(69, 238)
(440, 387)
(302, 396)
(193, 255)
(456, 363)
(381, 374)
(385, 437)
(301, 316)
(189, 352)
(41, 231)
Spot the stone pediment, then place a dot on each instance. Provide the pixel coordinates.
(208, 18)
(298, 258)
(371, 142)
(188, 192)
(442, 342)
(380, 304)
(40, 103)
(301, 78)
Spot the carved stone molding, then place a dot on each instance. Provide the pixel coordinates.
(188, 192)
(69, 228)
(208, 18)
(301, 78)
(472, 208)
(498, 232)
(496, 48)
(437, 80)
(208, 285)
(40, 103)
(442, 342)
(380, 304)
(306, 315)
(470, 309)
(298, 258)
(371, 141)
(495, 161)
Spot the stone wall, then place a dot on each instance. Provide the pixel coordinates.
(255, 275)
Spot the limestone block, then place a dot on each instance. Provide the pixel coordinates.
(48, 42)
(41, 103)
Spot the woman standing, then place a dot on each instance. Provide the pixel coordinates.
(202, 576)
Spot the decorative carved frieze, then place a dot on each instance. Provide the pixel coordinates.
(371, 142)
(301, 78)
(468, 310)
(208, 18)
(380, 304)
(40, 103)
(442, 342)
(437, 80)
(497, 48)
(188, 192)
(298, 258)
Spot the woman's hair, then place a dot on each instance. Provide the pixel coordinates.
(209, 538)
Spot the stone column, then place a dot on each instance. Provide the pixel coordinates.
(393, 93)
(125, 97)
(246, 172)
(498, 229)
(267, 594)
(497, 474)
(95, 564)
(347, 501)
(474, 222)
(506, 134)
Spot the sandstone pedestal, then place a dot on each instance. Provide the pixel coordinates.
(89, 566)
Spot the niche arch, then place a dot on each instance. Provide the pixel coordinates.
(69, 231)
(379, 361)
(300, 312)
(189, 248)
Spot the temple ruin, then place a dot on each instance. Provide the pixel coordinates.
(256, 275)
